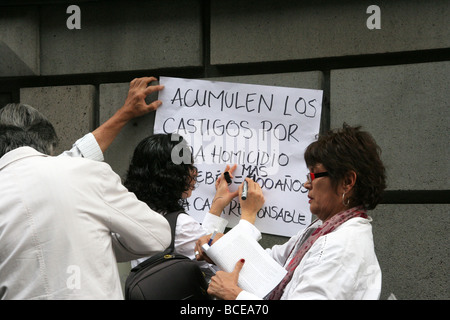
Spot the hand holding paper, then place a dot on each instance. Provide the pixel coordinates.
(135, 106)
(259, 275)
(224, 285)
(200, 255)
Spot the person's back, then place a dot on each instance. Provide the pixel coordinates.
(57, 215)
(165, 183)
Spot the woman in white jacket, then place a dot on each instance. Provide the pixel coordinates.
(165, 185)
(334, 258)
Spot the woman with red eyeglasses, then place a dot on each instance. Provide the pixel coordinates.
(334, 258)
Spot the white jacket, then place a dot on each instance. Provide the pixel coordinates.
(59, 223)
(340, 265)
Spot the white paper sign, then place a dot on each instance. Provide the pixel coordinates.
(263, 129)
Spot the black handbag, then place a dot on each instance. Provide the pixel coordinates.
(167, 275)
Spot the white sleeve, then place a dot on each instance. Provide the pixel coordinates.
(86, 147)
(137, 231)
(188, 231)
(246, 227)
(212, 222)
(280, 253)
(245, 295)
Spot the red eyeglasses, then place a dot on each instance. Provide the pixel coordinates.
(311, 176)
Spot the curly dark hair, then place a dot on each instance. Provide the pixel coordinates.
(155, 178)
(351, 149)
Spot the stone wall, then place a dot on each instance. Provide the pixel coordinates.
(393, 81)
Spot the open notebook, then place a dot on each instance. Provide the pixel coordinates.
(260, 273)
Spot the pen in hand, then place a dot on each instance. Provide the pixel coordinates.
(226, 174)
(244, 190)
(212, 237)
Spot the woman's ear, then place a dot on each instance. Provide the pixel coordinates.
(349, 181)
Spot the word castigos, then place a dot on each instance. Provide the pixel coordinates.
(231, 128)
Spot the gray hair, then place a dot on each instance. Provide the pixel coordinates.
(22, 125)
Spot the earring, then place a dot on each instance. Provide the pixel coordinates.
(343, 200)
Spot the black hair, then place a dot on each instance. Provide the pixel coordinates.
(155, 174)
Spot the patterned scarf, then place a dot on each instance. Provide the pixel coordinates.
(327, 227)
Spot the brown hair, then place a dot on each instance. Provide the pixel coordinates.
(347, 149)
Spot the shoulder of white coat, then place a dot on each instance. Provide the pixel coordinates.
(350, 239)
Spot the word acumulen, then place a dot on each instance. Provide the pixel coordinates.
(248, 102)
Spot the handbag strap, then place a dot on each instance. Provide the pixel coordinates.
(172, 219)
